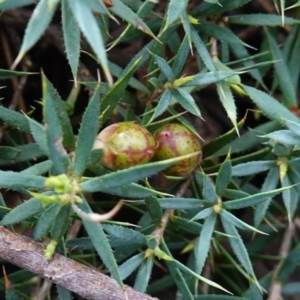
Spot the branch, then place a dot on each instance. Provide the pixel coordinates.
(86, 282)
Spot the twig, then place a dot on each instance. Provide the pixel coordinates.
(159, 231)
(275, 289)
(86, 282)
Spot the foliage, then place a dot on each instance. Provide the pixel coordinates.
(51, 163)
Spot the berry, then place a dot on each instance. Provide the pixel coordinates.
(125, 144)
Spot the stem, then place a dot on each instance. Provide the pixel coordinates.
(159, 231)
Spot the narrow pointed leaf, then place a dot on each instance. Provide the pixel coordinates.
(203, 214)
(89, 27)
(164, 67)
(120, 178)
(39, 168)
(233, 220)
(45, 221)
(180, 203)
(269, 184)
(238, 247)
(181, 57)
(26, 210)
(175, 9)
(154, 209)
(14, 119)
(270, 106)
(261, 20)
(203, 245)
(59, 104)
(252, 167)
(101, 244)
(111, 99)
(223, 177)
(71, 35)
(87, 134)
(293, 126)
(10, 4)
(18, 181)
(59, 227)
(8, 74)
(253, 199)
(130, 265)
(202, 51)
(209, 192)
(186, 101)
(54, 133)
(163, 104)
(39, 21)
(123, 11)
(282, 72)
(286, 137)
(203, 79)
(143, 275)
(227, 101)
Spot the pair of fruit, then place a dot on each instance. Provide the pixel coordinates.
(127, 144)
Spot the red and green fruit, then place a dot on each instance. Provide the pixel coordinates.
(176, 140)
(125, 144)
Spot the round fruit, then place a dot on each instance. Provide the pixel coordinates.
(176, 140)
(125, 144)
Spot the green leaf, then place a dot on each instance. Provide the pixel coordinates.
(289, 264)
(186, 101)
(269, 106)
(177, 275)
(233, 220)
(238, 247)
(54, 134)
(60, 107)
(253, 167)
(19, 182)
(261, 20)
(201, 50)
(120, 178)
(111, 99)
(180, 203)
(10, 4)
(283, 74)
(222, 141)
(209, 192)
(227, 101)
(123, 11)
(269, 184)
(89, 27)
(181, 56)
(39, 134)
(8, 74)
(63, 294)
(222, 34)
(164, 67)
(154, 209)
(293, 126)
(203, 79)
(14, 119)
(224, 176)
(130, 265)
(25, 210)
(224, 5)
(87, 134)
(203, 245)
(39, 21)
(203, 214)
(39, 168)
(219, 297)
(289, 196)
(175, 9)
(143, 275)
(101, 244)
(71, 36)
(163, 104)
(253, 199)
(286, 137)
(45, 221)
(62, 221)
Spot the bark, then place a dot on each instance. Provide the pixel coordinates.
(86, 282)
